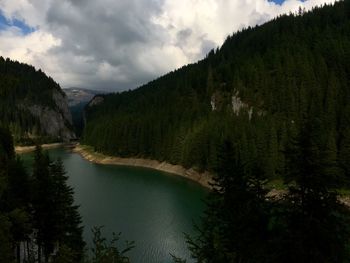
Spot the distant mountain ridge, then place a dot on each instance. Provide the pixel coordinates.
(80, 95)
(78, 98)
(32, 105)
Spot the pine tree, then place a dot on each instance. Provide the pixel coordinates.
(108, 252)
(235, 223)
(56, 216)
(344, 143)
(37, 211)
(6, 251)
(5, 224)
(67, 228)
(42, 204)
(19, 207)
(317, 224)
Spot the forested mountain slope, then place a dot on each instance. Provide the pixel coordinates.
(32, 104)
(256, 91)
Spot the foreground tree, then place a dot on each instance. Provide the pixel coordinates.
(42, 204)
(67, 226)
(307, 224)
(316, 223)
(234, 226)
(56, 216)
(108, 252)
(15, 224)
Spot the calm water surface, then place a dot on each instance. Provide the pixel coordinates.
(152, 208)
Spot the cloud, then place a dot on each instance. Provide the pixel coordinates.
(118, 45)
(31, 47)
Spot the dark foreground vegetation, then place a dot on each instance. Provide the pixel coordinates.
(38, 218)
(39, 221)
(306, 224)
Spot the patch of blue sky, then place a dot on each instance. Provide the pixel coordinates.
(277, 1)
(280, 2)
(5, 23)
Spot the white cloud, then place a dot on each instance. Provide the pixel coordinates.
(121, 44)
(215, 19)
(33, 12)
(31, 48)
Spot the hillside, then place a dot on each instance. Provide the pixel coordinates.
(32, 105)
(258, 90)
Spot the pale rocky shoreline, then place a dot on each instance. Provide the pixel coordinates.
(203, 179)
(27, 149)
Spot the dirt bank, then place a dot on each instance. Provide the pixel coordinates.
(87, 153)
(26, 149)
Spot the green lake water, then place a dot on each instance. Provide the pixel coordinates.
(152, 208)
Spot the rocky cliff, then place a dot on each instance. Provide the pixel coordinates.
(32, 105)
(55, 122)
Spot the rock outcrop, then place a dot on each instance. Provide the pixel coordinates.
(32, 105)
(55, 122)
(96, 101)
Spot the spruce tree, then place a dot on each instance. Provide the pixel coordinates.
(42, 204)
(316, 223)
(67, 227)
(235, 223)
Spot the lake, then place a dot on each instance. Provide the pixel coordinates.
(150, 207)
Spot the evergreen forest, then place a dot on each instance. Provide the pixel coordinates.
(256, 91)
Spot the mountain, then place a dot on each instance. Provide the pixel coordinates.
(80, 96)
(77, 100)
(256, 91)
(32, 104)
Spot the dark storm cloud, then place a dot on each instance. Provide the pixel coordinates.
(183, 35)
(105, 32)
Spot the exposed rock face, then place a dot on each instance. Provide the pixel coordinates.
(238, 105)
(55, 122)
(62, 105)
(219, 100)
(213, 103)
(96, 101)
(227, 100)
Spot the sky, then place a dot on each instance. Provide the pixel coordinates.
(115, 45)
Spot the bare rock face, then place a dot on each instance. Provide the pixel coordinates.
(96, 101)
(62, 105)
(238, 105)
(232, 101)
(55, 122)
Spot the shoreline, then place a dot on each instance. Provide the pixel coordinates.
(88, 154)
(27, 149)
(203, 179)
